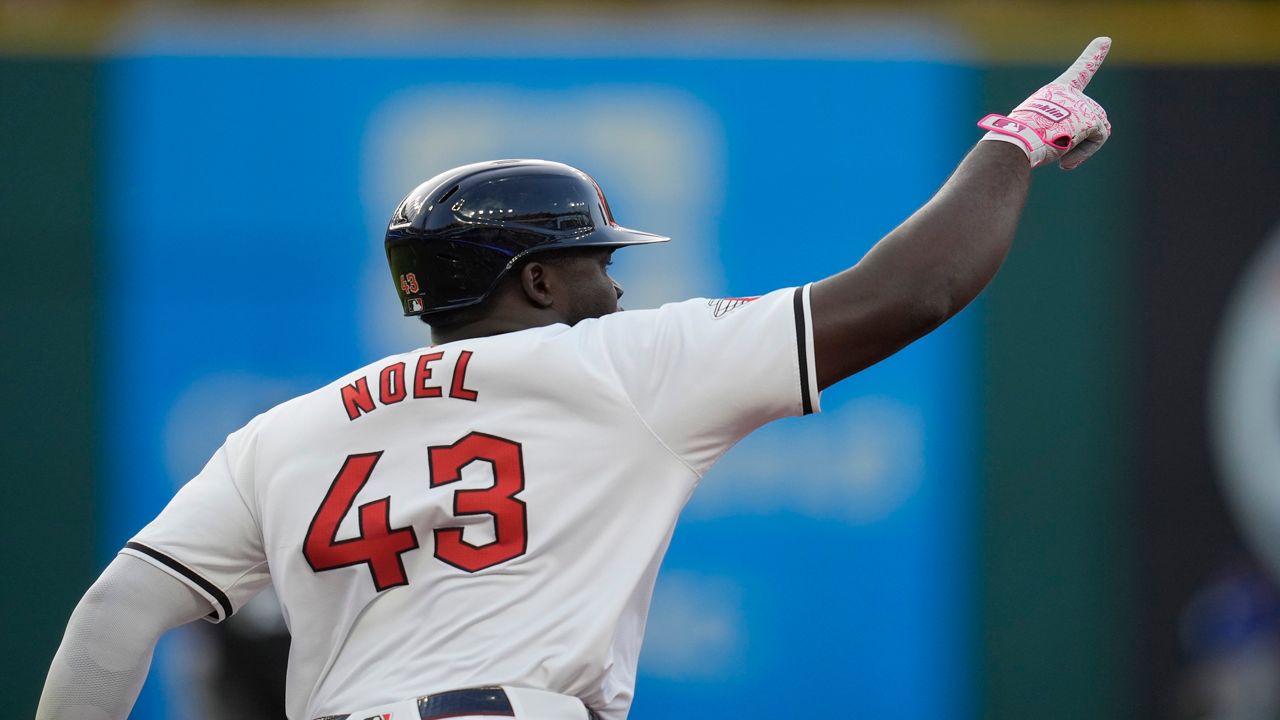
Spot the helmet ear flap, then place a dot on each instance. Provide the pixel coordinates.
(440, 275)
(453, 238)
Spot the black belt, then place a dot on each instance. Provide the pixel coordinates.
(474, 701)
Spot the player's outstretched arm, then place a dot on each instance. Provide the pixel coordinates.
(106, 651)
(932, 265)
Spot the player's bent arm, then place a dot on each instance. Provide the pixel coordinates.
(106, 651)
(926, 270)
(936, 262)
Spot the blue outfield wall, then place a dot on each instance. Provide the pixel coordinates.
(826, 566)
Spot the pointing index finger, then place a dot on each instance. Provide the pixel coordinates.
(1082, 70)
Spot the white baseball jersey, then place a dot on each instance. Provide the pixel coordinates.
(491, 511)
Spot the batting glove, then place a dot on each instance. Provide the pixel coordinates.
(1058, 122)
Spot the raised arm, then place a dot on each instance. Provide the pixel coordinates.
(106, 651)
(933, 264)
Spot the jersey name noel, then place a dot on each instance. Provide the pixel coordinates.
(394, 383)
(491, 511)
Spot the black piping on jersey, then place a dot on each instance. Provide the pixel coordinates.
(186, 572)
(802, 346)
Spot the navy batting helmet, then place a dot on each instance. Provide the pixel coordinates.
(456, 235)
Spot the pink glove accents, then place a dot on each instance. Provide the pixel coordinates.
(1058, 122)
(1011, 131)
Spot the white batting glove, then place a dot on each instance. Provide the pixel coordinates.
(1058, 122)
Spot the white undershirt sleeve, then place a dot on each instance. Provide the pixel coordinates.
(106, 651)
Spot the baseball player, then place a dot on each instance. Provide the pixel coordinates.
(473, 528)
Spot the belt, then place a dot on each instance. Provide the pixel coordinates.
(456, 703)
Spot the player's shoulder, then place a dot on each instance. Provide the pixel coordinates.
(296, 414)
(691, 312)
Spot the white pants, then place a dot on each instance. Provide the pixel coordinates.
(527, 704)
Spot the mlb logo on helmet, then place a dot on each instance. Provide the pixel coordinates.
(415, 304)
(383, 716)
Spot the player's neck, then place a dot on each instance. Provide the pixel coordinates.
(487, 327)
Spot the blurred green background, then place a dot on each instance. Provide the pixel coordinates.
(1102, 516)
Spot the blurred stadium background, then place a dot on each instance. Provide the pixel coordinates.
(1065, 504)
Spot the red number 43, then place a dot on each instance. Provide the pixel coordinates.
(381, 546)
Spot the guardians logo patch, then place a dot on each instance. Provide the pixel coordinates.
(723, 306)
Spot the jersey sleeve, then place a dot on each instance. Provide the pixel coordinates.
(702, 374)
(208, 536)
